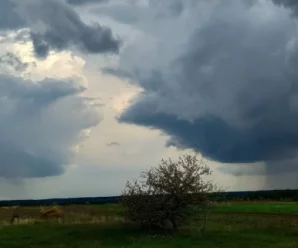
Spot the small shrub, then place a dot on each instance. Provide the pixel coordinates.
(172, 193)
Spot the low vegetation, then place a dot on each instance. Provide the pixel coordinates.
(169, 195)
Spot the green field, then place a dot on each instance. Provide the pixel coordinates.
(85, 227)
(237, 207)
(265, 207)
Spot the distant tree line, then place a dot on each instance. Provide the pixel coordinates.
(267, 195)
(62, 201)
(273, 195)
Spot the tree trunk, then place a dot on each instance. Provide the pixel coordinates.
(174, 224)
(205, 221)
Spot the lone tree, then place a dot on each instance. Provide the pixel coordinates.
(172, 193)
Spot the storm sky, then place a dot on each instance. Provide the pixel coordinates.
(93, 92)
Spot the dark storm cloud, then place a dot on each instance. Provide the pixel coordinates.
(9, 19)
(83, 2)
(253, 169)
(291, 4)
(41, 47)
(65, 30)
(16, 163)
(38, 125)
(54, 25)
(231, 92)
(216, 139)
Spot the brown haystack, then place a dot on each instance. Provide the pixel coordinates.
(52, 213)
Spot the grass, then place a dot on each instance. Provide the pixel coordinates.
(222, 231)
(98, 226)
(236, 207)
(265, 207)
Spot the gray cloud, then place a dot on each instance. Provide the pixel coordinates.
(118, 73)
(113, 144)
(12, 61)
(226, 87)
(38, 125)
(134, 11)
(274, 167)
(290, 4)
(17, 163)
(168, 8)
(83, 2)
(65, 31)
(41, 94)
(123, 13)
(9, 19)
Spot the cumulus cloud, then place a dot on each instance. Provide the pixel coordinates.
(65, 31)
(226, 87)
(40, 122)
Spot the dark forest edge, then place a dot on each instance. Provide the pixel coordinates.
(270, 195)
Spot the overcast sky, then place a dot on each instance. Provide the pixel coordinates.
(92, 92)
